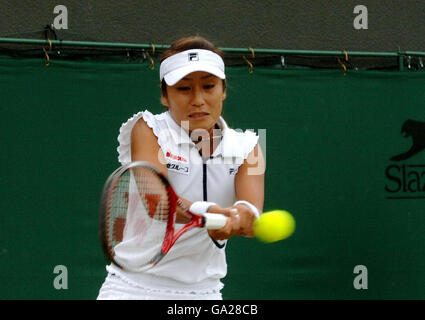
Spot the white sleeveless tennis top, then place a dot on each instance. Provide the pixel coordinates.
(195, 262)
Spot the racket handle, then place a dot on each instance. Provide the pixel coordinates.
(214, 221)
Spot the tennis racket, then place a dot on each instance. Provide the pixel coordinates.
(139, 215)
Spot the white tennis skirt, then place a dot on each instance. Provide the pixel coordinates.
(115, 288)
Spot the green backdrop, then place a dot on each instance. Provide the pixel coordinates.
(329, 143)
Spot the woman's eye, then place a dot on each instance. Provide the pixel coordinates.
(209, 86)
(183, 88)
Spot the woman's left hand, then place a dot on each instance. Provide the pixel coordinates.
(240, 222)
(246, 220)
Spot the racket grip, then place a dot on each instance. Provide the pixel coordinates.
(214, 221)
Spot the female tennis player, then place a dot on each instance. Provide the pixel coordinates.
(212, 168)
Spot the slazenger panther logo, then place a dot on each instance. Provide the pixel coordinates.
(416, 130)
(405, 180)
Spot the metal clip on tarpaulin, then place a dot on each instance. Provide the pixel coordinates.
(152, 65)
(251, 67)
(421, 63)
(47, 63)
(342, 64)
(48, 30)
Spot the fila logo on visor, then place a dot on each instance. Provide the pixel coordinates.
(193, 56)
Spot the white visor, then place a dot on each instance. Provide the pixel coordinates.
(174, 68)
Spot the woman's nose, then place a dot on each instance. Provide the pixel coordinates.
(197, 97)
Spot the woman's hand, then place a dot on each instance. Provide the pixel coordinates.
(247, 218)
(239, 222)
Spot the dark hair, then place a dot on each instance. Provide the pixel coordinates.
(187, 43)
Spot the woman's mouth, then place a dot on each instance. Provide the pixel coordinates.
(198, 115)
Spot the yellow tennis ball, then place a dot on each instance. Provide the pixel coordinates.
(274, 225)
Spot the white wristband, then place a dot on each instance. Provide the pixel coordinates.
(250, 206)
(200, 207)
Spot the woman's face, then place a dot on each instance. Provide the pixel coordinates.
(197, 98)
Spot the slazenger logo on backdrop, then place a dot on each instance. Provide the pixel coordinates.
(403, 180)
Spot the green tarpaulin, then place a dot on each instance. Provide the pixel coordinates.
(336, 158)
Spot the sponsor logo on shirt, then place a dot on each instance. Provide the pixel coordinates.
(168, 154)
(178, 168)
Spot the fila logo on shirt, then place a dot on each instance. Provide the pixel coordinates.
(193, 56)
(233, 171)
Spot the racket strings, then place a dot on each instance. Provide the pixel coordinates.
(118, 209)
(137, 216)
(153, 193)
(147, 189)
